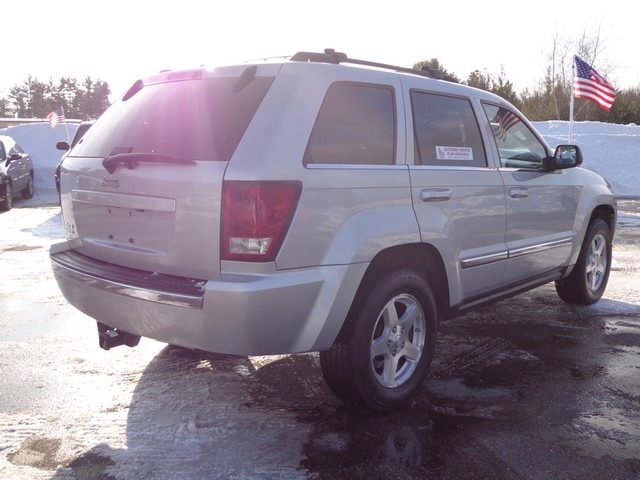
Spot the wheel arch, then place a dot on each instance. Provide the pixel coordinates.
(606, 213)
(420, 257)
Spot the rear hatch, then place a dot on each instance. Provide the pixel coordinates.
(143, 188)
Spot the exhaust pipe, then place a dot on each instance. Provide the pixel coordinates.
(109, 337)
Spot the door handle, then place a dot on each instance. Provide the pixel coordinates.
(435, 194)
(519, 192)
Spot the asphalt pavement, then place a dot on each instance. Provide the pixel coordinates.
(528, 388)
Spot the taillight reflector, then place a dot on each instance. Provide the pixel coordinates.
(255, 218)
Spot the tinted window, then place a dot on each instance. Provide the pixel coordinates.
(355, 125)
(17, 149)
(517, 145)
(10, 147)
(80, 131)
(195, 119)
(446, 131)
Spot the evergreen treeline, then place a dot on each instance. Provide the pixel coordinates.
(551, 99)
(35, 99)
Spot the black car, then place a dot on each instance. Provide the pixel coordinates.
(80, 131)
(16, 172)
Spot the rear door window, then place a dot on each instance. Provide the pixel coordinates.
(355, 125)
(446, 131)
(201, 119)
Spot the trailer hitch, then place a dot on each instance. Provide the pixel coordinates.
(109, 337)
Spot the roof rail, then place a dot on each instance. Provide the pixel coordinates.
(331, 56)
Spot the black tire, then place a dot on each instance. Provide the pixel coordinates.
(7, 203)
(397, 318)
(27, 192)
(588, 280)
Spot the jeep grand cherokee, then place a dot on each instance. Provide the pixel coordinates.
(321, 204)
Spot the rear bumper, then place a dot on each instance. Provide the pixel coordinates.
(128, 282)
(242, 314)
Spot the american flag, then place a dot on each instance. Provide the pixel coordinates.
(589, 84)
(55, 118)
(505, 120)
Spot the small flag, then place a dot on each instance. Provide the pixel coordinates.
(55, 118)
(589, 84)
(505, 120)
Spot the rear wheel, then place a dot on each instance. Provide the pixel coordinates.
(27, 192)
(7, 203)
(384, 355)
(589, 277)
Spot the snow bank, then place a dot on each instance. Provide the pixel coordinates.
(39, 140)
(611, 150)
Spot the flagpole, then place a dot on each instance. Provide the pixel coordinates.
(66, 126)
(573, 70)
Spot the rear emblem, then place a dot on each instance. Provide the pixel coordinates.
(111, 183)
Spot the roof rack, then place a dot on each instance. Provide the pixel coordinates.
(331, 56)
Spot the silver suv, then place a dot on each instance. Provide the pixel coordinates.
(318, 205)
(16, 172)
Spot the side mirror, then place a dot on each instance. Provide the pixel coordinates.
(565, 156)
(62, 145)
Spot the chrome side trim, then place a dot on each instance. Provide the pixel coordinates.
(497, 257)
(157, 296)
(518, 252)
(485, 259)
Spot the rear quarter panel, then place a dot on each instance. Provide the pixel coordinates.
(346, 213)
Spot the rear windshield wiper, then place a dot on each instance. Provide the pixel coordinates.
(131, 160)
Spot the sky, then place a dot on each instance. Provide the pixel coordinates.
(120, 41)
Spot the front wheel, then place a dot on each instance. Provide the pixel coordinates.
(7, 203)
(588, 280)
(27, 192)
(384, 354)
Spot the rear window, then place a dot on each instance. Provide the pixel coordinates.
(200, 119)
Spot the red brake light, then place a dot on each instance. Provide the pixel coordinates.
(255, 218)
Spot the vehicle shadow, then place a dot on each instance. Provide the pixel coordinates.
(514, 387)
(51, 228)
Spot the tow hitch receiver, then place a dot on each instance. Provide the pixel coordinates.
(109, 337)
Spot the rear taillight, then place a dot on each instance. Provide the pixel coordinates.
(255, 218)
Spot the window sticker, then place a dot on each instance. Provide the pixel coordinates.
(454, 153)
